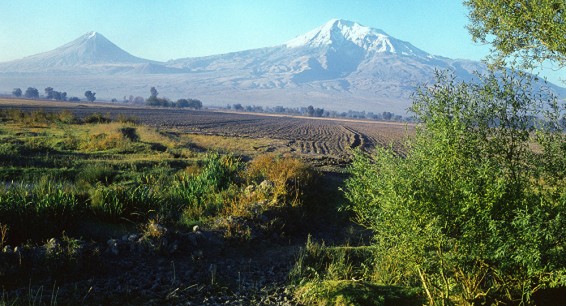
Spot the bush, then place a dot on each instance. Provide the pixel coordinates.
(343, 275)
(199, 195)
(473, 213)
(97, 118)
(289, 175)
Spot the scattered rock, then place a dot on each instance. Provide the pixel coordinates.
(113, 246)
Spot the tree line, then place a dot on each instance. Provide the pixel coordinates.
(51, 94)
(153, 100)
(90, 96)
(312, 111)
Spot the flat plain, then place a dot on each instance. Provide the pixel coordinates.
(324, 141)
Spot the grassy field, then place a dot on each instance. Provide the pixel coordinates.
(53, 164)
(73, 177)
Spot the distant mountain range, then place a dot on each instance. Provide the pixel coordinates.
(341, 65)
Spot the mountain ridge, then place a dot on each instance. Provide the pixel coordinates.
(340, 65)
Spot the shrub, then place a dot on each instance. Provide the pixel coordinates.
(97, 118)
(66, 117)
(199, 194)
(472, 213)
(289, 175)
(127, 119)
(343, 275)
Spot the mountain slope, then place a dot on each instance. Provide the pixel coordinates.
(91, 49)
(340, 65)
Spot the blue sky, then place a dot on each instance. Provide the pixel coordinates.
(163, 30)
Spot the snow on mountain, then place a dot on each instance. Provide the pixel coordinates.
(339, 33)
(340, 65)
(90, 50)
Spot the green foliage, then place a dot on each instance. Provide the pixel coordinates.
(473, 213)
(115, 173)
(39, 117)
(190, 103)
(39, 209)
(530, 30)
(97, 118)
(117, 203)
(17, 92)
(350, 292)
(96, 173)
(200, 195)
(344, 276)
(32, 93)
(90, 96)
(320, 262)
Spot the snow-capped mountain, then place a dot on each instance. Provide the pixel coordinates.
(88, 51)
(339, 33)
(340, 65)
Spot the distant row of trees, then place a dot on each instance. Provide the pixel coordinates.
(51, 94)
(153, 100)
(312, 111)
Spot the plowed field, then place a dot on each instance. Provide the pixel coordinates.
(331, 140)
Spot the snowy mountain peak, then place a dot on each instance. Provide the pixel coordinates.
(92, 48)
(91, 34)
(338, 33)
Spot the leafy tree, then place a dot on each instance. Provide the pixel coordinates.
(153, 100)
(90, 96)
(52, 94)
(238, 107)
(74, 99)
(48, 93)
(310, 111)
(533, 31)
(31, 93)
(386, 115)
(138, 100)
(153, 93)
(472, 213)
(190, 103)
(17, 92)
(195, 103)
(182, 103)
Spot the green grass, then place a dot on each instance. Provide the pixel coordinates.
(344, 275)
(56, 170)
(350, 292)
